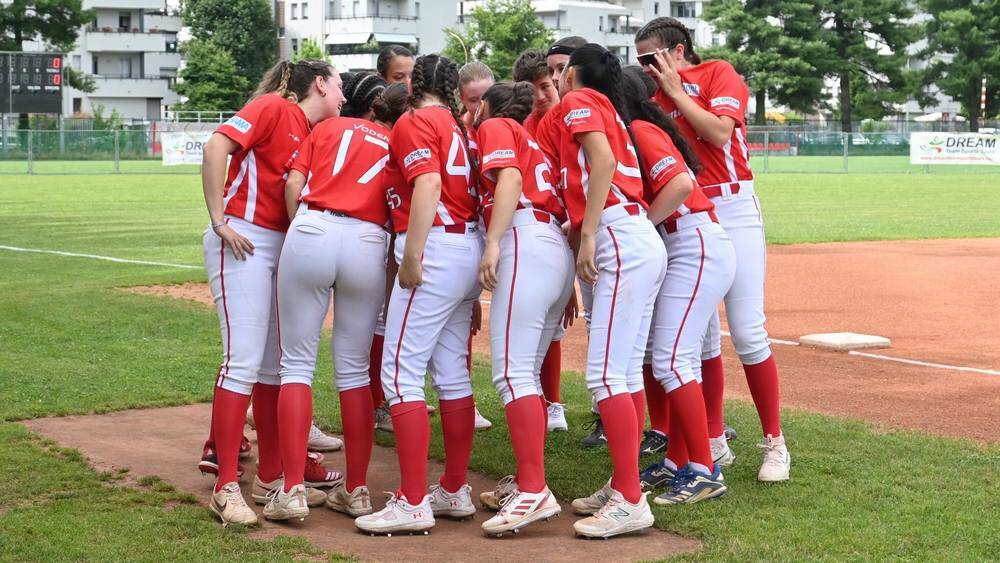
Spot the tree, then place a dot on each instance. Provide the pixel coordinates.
(210, 80)
(777, 46)
(497, 32)
(309, 49)
(56, 23)
(243, 28)
(869, 39)
(963, 45)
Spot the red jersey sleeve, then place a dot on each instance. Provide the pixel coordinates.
(531, 123)
(415, 145)
(497, 146)
(661, 160)
(255, 121)
(582, 114)
(727, 94)
(302, 159)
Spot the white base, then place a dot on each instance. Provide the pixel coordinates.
(844, 341)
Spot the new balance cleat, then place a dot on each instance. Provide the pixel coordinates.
(289, 505)
(261, 492)
(557, 418)
(694, 487)
(319, 441)
(593, 503)
(398, 516)
(596, 438)
(777, 462)
(521, 509)
(453, 505)
(722, 455)
(228, 504)
(355, 503)
(482, 423)
(616, 517)
(494, 499)
(653, 442)
(320, 477)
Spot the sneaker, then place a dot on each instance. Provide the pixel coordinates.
(286, 506)
(521, 509)
(722, 455)
(319, 441)
(209, 463)
(228, 504)
(482, 423)
(777, 461)
(320, 477)
(729, 432)
(355, 503)
(383, 419)
(245, 448)
(398, 516)
(694, 487)
(653, 442)
(596, 438)
(455, 505)
(557, 418)
(589, 505)
(494, 499)
(261, 492)
(656, 475)
(616, 517)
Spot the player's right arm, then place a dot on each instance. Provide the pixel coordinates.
(213, 184)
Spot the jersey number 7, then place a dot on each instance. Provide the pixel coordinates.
(345, 145)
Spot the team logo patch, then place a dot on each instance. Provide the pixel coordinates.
(663, 164)
(416, 155)
(582, 113)
(501, 153)
(726, 101)
(238, 123)
(692, 89)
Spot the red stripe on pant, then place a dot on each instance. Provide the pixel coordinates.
(611, 320)
(697, 284)
(510, 307)
(224, 369)
(399, 343)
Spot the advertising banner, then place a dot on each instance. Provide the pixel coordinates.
(183, 147)
(954, 148)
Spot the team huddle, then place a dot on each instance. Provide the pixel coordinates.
(400, 196)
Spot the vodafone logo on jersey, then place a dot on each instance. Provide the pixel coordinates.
(419, 154)
(240, 124)
(663, 164)
(726, 101)
(573, 115)
(501, 154)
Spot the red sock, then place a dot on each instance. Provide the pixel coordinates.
(689, 405)
(413, 438)
(618, 415)
(357, 415)
(229, 413)
(639, 404)
(375, 370)
(458, 425)
(294, 419)
(550, 374)
(762, 379)
(656, 399)
(265, 418)
(527, 436)
(677, 450)
(713, 385)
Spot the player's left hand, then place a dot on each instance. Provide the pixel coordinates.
(665, 73)
(572, 310)
(410, 273)
(585, 265)
(488, 266)
(477, 317)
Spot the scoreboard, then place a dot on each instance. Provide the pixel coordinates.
(31, 82)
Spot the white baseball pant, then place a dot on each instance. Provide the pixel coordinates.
(245, 298)
(631, 263)
(327, 253)
(428, 327)
(534, 283)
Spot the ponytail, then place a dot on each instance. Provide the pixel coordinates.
(293, 80)
(639, 89)
(669, 32)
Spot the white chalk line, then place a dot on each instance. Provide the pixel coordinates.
(97, 257)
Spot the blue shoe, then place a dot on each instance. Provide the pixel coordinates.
(693, 487)
(656, 475)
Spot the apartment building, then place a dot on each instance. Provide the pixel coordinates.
(353, 31)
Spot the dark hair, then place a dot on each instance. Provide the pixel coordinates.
(360, 90)
(513, 100)
(293, 80)
(670, 33)
(566, 45)
(438, 76)
(639, 89)
(530, 66)
(391, 103)
(386, 55)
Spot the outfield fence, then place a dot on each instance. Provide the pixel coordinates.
(773, 150)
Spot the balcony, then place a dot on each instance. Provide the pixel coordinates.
(157, 23)
(125, 4)
(128, 87)
(385, 24)
(362, 61)
(110, 39)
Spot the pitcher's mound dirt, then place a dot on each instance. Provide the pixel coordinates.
(171, 443)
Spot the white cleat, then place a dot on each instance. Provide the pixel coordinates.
(557, 418)
(228, 504)
(319, 441)
(521, 509)
(494, 499)
(355, 503)
(398, 516)
(482, 423)
(287, 506)
(589, 505)
(722, 455)
(261, 492)
(777, 462)
(616, 517)
(454, 505)
(383, 418)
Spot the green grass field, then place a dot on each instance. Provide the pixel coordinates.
(70, 342)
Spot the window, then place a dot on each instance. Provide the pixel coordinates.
(295, 11)
(656, 8)
(77, 105)
(305, 10)
(295, 44)
(124, 21)
(331, 9)
(683, 10)
(94, 71)
(170, 46)
(600, 23)
(77, 62)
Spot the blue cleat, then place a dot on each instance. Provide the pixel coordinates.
(656, 475)
(691, 487)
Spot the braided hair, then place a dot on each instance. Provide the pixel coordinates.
(360, 89)
(293, 80)
(639, 89)
(438, 76)
(390, 104)
(512, 100)
(670, 32)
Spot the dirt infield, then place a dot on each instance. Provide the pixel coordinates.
(182, 429)
(936, 300)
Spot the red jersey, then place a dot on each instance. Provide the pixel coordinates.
(268, 130)
(504, 143)
(393, 184)
(428, 140)
(531, 122)
(717, 87)
(548, 134)
(343, 159)
(662, 162)
(584, 111)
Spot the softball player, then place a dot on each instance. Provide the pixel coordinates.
(395, 64)
(528, 265)
(473, 80)
(622, 256)
(709, 102)
(438, 248)
(248, 223)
